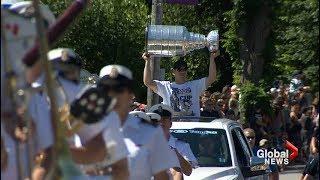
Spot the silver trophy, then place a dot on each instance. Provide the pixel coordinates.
(168, 41)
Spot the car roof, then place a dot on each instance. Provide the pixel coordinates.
(216, 124)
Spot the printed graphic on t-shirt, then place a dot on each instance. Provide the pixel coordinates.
(181, 101)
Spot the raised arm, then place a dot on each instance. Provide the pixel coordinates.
(147, 74)
(212, 69)
(313, 145)
(185, 165)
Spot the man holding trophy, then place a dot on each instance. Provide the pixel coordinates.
(181, 95)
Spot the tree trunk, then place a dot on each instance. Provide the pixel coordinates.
(254, 32)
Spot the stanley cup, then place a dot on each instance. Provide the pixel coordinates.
(168, 41)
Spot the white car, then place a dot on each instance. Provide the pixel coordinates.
(221, 149)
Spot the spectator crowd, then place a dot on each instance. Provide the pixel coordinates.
(295, 113)
(109, 137)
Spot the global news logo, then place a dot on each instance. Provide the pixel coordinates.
(275, 157)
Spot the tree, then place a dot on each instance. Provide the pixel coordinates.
(203, 18)
(297, 40)
(108, 32)
(261, 40)
(249, 23)
(253, 97)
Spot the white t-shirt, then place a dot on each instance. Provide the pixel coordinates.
(113, 137)
(183, 98)
(294, 85)
(184, 149)
(149, 151)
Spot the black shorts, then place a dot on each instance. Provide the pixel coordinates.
(312, 166)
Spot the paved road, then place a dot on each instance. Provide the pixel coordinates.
(292, 172)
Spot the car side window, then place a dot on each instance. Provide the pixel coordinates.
(241, 155)
(243, 141)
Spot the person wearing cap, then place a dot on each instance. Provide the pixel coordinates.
(251, 137)
(181, 95)
(145, 141)
(102, 140)
(104, 143)
(26, 8)
(182, 149)
(296, 81)
(66, 65)
(265, 144)
(154, 117)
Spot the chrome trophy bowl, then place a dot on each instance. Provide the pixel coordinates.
(168, 41)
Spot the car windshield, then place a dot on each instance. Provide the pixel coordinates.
(210, 146)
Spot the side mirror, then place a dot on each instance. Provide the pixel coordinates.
(257, 167)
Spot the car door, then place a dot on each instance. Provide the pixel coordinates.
(243, 152)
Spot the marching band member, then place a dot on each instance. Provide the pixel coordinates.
(103, 154)
(42, 128)
(102, 141)
(62, 60)
(101, 137)
(145, 142)
(182, 149)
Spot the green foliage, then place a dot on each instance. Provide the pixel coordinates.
(297, 40)
(113, 32)
(200, 19)
(253, 97)
(240, 13)
(292, 45)
(108, 32)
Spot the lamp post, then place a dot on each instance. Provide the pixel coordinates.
(156, 19)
